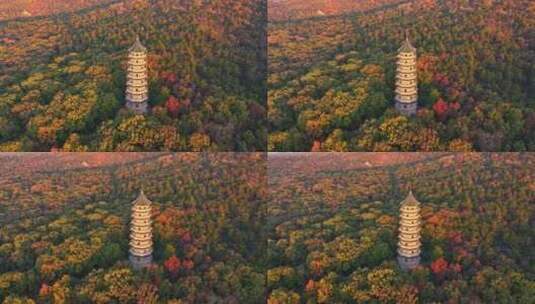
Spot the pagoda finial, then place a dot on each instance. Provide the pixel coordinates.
(141, 198)
(138, 46)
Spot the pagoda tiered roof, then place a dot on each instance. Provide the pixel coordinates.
(407, 47)
(138, 47)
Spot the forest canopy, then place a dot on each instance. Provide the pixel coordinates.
(64, 230)
(62, 77)
(332, 78)
(333, 232)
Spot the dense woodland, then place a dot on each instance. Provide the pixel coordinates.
(62, 77)
(14, 9)
(64, 233)
(279, 10)
(333, 233)
(331, 79)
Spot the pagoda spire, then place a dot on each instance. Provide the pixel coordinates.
(141, 232)
(406, 78)
(137, 85)
(409, 233)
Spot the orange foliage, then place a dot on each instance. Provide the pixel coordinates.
(311, 285)
(44, 290)
(439, 266)
(316, 147)
(173, 106)
(172, 265)
(188, 264)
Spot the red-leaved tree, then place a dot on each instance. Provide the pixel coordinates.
(441, 109)
(188, 264)
(439, 266)
(173, 106)
(172, 265)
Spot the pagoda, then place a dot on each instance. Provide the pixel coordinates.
(137, 85)
(141, 232)
(409, 233)
(406, 79)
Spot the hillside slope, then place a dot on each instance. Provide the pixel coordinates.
(298, 9)
(30, 8)
(332, 79)
(333, 233)
(208, 217)
(62, 78)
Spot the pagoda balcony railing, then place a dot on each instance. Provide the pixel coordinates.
(407, 99)
(406, 62)
(408, 84)
(409, 222)
(140, 76)
(412, 76)
(141, 252)
(406, 208)
(137, 97)
(136, 91)
(141, 216)
(143, 212)
(409, 238)
(409, 253)
(408, 216)
(406, 69)
(409, 245)
(141, 222)
(137, 69)
(137, 55)
(141, 229)
(410, 250)
(141, 232)
(135, 77)
(141, 219)
(141, 244)
(139, 209)
(137, 82)
(407, 92)
(408, 219)
(137, 61)
(141, 236)
(406, 56)
(412, 229)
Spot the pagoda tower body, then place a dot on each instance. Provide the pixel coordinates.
(409, 233)
(141, 232)
(406, 79)
(137, 90)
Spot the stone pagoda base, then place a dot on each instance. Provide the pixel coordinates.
(408, 263)
(407, 109)
(140, 262)
(138, 107)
